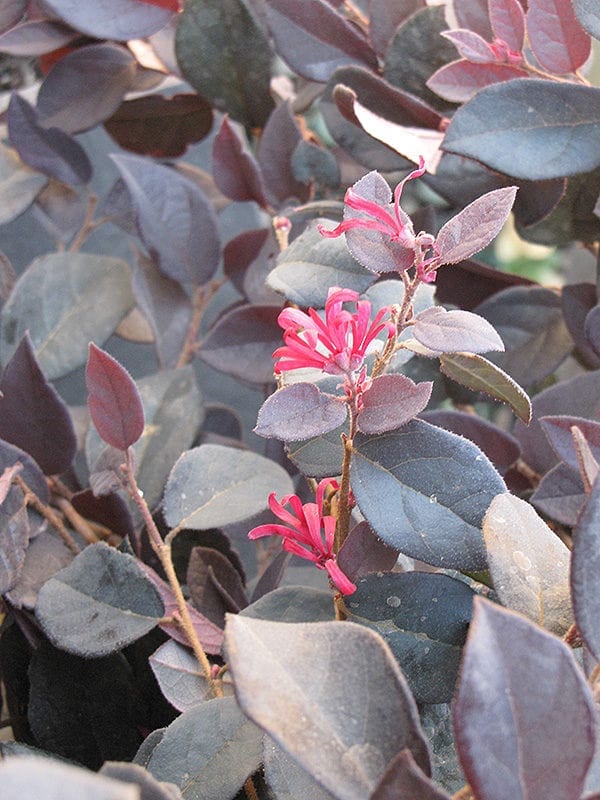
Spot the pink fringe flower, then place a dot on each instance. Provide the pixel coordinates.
(307, 532)
(336, 345)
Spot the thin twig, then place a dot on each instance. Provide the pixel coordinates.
(202, 296)
(31, 499)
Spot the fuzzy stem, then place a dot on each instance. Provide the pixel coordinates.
(87, 226)
(163, 551)
(202, 296)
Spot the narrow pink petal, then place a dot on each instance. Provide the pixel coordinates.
(343, 583)
(293, 318)
(313, 522)
(357, 222)
(358, 203)
(338, 295)
(292, 547)
(270, 530)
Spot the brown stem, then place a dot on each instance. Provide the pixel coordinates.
(466, 793)
(202, 296)
(402, 317)
(79, 523)
(163, 551)
(342, 526)
(31, 499)
(250, 790)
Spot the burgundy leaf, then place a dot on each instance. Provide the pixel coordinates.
(404, 778)
(85, 87)
(210, 635)
(113, 400)
(508, 22)
(561, 495)
(363, 552)
(469, 283)
(385, 16)
(277, 145)
(558, 432)
(215, 585)
(470, 45)
(298, 412)
(591, 328)
(32, 414)
(504, 657)
(110, 510)
(459, 80)
(391, 401)
(160, 126)
(241, 343)
(577, 300)
(112, 19)
(170, 5)
(240, 252)
(50, 151)
(35, 38)
(585, 572)
(475, 226)
(248, 259)
(236, 172)
(175, 219)
(556, 37)
(272, 576)
(455, 331)
(315, 40)
(474, 15)
(537, 199)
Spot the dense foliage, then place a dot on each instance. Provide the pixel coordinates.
(420, 614)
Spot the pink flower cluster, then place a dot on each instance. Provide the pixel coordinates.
(308, 532)
(338, 344)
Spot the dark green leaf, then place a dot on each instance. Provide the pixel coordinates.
(341, 725)
(425, 491)
(98, 604)
(505, 659)
(320, 457)
(424, 619)
(528, 563)
(226, 57)
(213, 485)
(529, 128)
(66, 300)
(477, 373)
(209, 751)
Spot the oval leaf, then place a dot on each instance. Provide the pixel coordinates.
(529, 564)
(112, 19)
(235, 169)
(19, 185)
(556, 38)
(98, 604)
(391, 401)
(455, 331)
(504, 658)
(425, 491)
(298, 412)
(529, 128)
(475, 226)
(113, 400)
(212, 485)
(344, 737)
(479, 374)
(585, 569)
(65, 300)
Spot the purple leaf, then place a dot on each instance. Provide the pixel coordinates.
(235, 169)
(578, 299)
(11, 12)
(385, 16)
(110, 510)
(71, 100)
(363, 552)
(508, 22)
(561, 495)
(175, 219)
(154, 125)
(278, 142)
(588, 14)
(241, 343)
(470, 283)
(474, 15)
(558, 431)
(248, 261)
(504, 657)
(272, 576)
(557, 39)
(475, 226)
(32, 414)
(31, 473)
(35, 38)
(210, 635)
(215, 585)
(50, 151)
(14, 532)
(404, 778)
(391, 401)
(460, 80)
(240, 252)
(166, 307)
(591, 328)
(585, 572)
(470, 45)
(455, 331)
(112, 19)
(315, 40)
(113, 401)
(300, 411)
